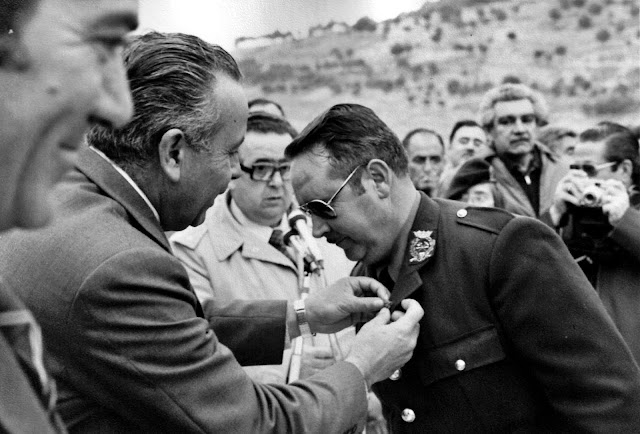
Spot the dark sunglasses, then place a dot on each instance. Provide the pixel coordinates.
(591, 169)
(511, 120)
(265, 171)
(323, 209)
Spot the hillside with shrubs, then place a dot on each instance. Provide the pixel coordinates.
(430, 67)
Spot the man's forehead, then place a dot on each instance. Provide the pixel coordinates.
(309, 174)
(265, 145)
(514, 107)
(425, 143)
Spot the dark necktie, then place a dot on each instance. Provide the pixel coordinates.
(276, 240)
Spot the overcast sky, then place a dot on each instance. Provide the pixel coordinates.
(222, 21)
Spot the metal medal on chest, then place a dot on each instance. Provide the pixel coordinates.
(421, 246)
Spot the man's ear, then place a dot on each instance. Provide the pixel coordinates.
(381, 175)
(171, 151)
(627, 167)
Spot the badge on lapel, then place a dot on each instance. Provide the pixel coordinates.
(421, 246)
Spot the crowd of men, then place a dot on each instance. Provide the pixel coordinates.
(473, 315)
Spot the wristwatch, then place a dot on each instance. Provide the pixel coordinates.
(301, 318)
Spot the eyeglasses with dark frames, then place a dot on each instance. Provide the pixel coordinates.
(323, 209)
(265, 171)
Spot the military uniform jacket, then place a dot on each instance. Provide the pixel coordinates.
(132, 350)
(513, 337)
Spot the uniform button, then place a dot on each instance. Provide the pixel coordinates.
(462, 213)
(396, 375)
(408, 415)
(460, 365)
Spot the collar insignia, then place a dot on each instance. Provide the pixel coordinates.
(421, 246)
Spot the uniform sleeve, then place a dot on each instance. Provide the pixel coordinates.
(559, 328)
(140, 350)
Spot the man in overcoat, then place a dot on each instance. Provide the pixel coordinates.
(514, 338)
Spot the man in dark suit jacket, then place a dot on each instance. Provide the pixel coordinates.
(514, 339)
(58, 75)
(133, 349)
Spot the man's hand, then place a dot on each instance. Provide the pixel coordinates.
(615, 200)
(568, 190)
(348, 301)
(381, 346)
(315, 359)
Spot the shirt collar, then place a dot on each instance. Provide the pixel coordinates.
(126, 176)
(261, 232)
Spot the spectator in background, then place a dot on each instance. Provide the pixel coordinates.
(467, 140)
(596, 209)
(425, 149)
(266, 105)
(474, 184)
(560, 140)
(526, 171)
(60, 72)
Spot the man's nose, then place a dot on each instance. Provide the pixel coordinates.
(519, 125)
(320, 227)
(276, 179)
(114, 106)
(234, 164)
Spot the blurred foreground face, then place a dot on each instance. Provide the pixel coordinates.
(71, 76)
(262, 199)
(426, 161)
(479, 195)
(468, 142)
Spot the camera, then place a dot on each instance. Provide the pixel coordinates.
(592, 195)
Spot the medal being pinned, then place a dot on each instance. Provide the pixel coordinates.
(421, 247)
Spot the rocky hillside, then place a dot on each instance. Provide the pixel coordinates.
(430, 67)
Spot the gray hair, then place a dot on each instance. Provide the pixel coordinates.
(171, 76)
(511, 92)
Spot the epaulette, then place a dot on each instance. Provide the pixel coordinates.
(488, 219)
(190, 237)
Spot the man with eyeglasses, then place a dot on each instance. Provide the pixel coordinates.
(238, 253)
(526, 171)
(597, 213)
(513, 338)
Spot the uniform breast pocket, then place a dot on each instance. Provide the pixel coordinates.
(473, 350)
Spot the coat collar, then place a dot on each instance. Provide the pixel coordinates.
(409, 279)
(101, 173)
(228, 236)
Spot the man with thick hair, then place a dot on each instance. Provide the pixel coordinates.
(526, 171)
(54, 84)
(425, 149)
(132, 346)
(266, 105)
(513, 338)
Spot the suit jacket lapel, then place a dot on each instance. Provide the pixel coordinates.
(100, 171)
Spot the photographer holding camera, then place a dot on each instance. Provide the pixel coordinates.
(596, 210)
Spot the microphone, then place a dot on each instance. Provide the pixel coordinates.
(298, 223)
